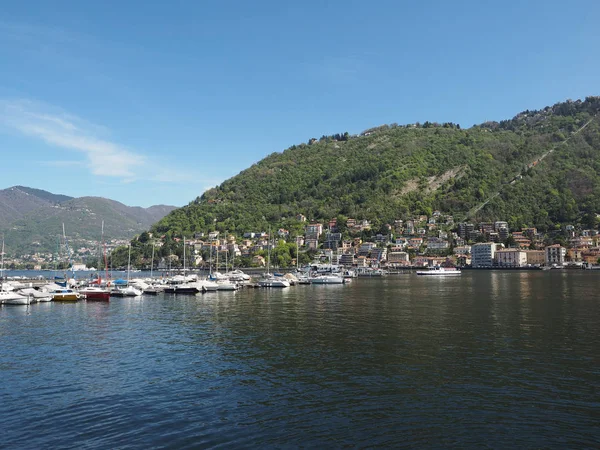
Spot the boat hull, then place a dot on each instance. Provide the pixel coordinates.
(14, 300)
(68, 297)
(327, 280)
(102, 296)
(439, 273)
(273, 283)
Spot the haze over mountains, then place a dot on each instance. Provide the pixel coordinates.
(31, 219)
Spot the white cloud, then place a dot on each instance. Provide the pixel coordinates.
(102, 157)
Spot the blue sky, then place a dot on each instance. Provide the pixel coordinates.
(154, 102)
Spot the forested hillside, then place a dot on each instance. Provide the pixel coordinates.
(31, 220)
(545, 168)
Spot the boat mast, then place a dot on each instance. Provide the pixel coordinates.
(184, 257)
(68, 250)
(269, 253)
(105, 258)
(2, 266)
(128, 264)
(152, 263)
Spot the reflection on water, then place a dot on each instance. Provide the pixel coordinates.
(486, 359)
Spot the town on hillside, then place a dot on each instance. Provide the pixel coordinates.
(420, 241)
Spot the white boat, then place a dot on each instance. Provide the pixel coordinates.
(238, 275)
(303, 278)
(348, 274)
(226, 285)
(438, 271)
(207, 285)
(14, 298)
(327, 279)
(127, 291)
(370, 272)
(7, 295)
(36, 295)
(271, 281)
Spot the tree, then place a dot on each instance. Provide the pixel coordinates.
(510, 241)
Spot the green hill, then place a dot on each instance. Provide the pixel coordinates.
(540, 168)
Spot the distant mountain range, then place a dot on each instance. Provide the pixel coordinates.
(31, 219)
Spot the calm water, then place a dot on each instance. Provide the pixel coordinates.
(491, 359)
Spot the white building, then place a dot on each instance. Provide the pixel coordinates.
(555, 254)
(482, 254)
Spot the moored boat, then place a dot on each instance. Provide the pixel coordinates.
(65, 295)
(327, 279)
(14, 298)
(128, 291)
(271, 281)
(438, 271)
(95, 293)
(35, 294)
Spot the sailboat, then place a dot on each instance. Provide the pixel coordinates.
(225, 283)
(152, 289)
(302, 277)
(96, 292)
(60, 291)
(128, 291)
(269, 280)
(185, 287)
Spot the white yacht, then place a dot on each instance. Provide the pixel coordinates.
(227, 285)
(272, 281)
(438, 271)
(331, 278)
(14, 298)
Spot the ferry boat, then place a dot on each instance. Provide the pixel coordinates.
(440, 271)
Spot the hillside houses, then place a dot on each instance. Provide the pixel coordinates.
(408, 241)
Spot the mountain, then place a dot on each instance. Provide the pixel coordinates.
(31, 219)
(18, 201)
(541, 168)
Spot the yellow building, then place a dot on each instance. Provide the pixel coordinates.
(510, 257)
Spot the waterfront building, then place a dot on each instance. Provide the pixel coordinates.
(482, 254)
(575, 254)
(511, 257)
(535, 257)
(555, 254)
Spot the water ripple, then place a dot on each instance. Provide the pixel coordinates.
(490, 359)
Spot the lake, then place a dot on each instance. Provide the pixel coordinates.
(487, 359)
